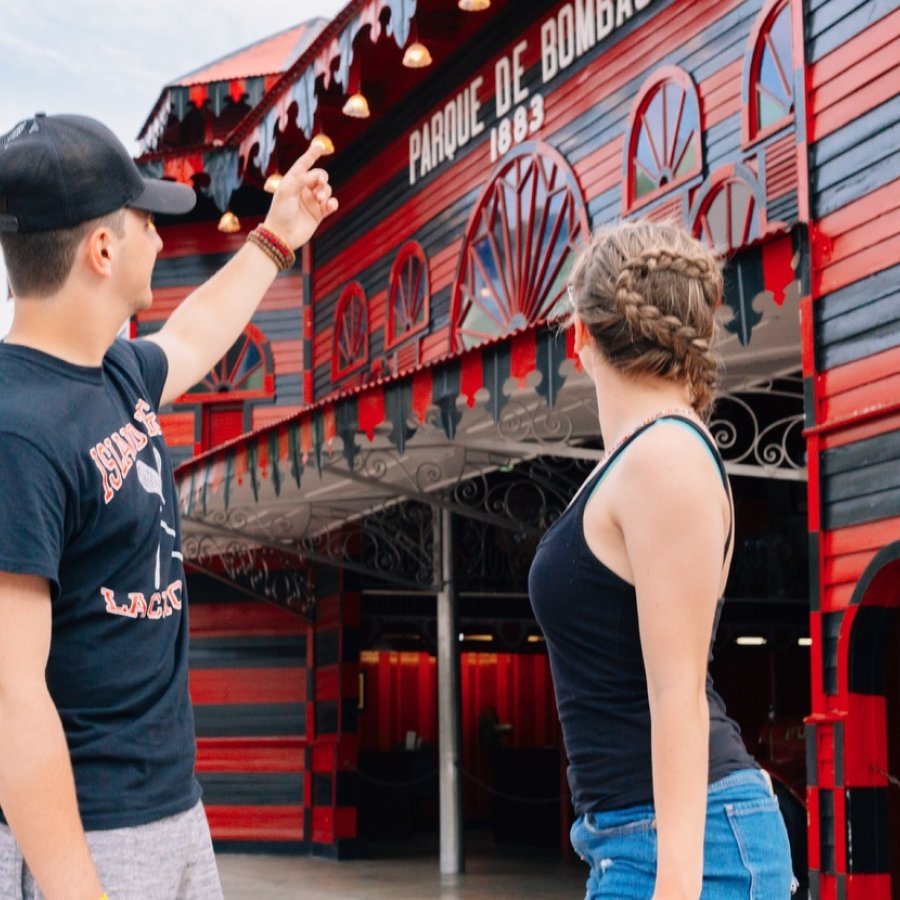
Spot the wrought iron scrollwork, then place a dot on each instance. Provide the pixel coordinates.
(762, 425)
(263, 572)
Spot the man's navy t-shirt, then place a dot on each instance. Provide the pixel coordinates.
(87, 500)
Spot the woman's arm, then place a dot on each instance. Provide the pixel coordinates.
(672, 511)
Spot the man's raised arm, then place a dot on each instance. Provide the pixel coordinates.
(211, 318)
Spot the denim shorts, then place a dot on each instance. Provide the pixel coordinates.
(746, 855)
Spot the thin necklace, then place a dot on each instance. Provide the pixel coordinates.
(661, 414)
(686, 411)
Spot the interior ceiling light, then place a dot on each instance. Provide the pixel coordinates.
(357, 107)
(324, 142)
(229, 223)
(416, 56)
(272, 182)
(474, 5)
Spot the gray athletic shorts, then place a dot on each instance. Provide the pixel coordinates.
(170, 859)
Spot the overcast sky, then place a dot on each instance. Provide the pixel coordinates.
(111, 60)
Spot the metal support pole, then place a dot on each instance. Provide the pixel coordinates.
(449, 734)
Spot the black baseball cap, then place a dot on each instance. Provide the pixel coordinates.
(60, 171)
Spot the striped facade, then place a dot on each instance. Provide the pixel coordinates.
(587, 117)
(275, 706)
(851, 364)
(823, 190)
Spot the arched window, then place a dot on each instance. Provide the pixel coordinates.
(768, 86)
(244, 372)
(520, 244)
(350, 349)
(728, 210)
(663, 148)
(409, 294)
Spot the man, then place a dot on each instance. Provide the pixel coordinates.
(96, 732)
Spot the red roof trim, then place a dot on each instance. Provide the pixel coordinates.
(332, 399)
(182, 81)
(306, 59)
(234, 56)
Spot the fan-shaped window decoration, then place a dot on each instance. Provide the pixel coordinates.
(664, 147)
(244, 372)
(769, 91)
(728, 216)
(350, 350)
(520, 244)
(409, 294)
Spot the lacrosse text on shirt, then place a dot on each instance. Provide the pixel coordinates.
(159, 605)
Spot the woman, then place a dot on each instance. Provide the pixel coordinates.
(627, 588)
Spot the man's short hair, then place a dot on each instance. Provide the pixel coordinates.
(38, 263)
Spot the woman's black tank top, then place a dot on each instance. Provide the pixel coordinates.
(589, 618)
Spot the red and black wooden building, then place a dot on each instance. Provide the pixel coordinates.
(409, 367)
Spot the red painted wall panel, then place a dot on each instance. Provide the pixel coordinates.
(250, 754)
(243, 619)
(268, 415)
(859, 390)
(855, 77)
(256, 823)
(781, 167)
(178, 428)
(165, 299)
(720, 94)
(601, 170)
(248, 685)
(287, 356)
(859, 239)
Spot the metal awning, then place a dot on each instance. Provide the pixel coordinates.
(434, 434)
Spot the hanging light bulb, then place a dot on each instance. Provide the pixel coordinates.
(229, 223)
(416, 56)
(474, 5)
(324, 142)
(272, 182)
(357, 107)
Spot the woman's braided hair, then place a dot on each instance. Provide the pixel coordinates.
(647, 292)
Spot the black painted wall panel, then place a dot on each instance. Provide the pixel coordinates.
(861, 481)
(246, 720)
(248, 652)
(868, 831)
(858, 320)
(852, 458)
(176, 271)
(251, 788)
(882, 504)
(834, 22)
(783, 209)
(857, 159)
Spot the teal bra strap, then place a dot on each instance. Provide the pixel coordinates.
(701, 436)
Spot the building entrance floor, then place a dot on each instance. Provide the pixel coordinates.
(408, 871)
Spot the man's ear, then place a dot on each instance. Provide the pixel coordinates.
(98, 250)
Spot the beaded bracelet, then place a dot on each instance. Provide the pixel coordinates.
(273, 246)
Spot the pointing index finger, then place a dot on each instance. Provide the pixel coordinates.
(305, 162)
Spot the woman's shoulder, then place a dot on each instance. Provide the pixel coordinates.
(669, 459)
